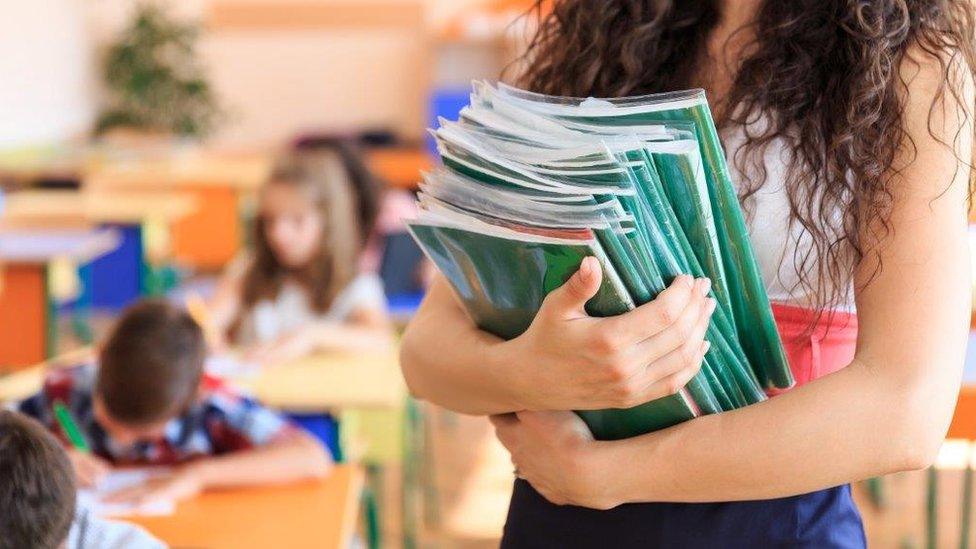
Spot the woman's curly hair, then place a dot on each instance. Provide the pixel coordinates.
(825, 77)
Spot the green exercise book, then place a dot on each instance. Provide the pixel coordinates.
(750, 304)
(531, 184)
(505, 303)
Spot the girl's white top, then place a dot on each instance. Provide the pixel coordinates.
(292, 309)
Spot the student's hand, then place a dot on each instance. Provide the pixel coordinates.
(556, 454)
(283, 349)
(577, 362)
(183, 483)
(89, 468)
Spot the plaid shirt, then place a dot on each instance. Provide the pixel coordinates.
(219, 422)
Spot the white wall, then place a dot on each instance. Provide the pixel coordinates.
(274, 84)
(46, 85)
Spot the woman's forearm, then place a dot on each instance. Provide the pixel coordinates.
(850, 425)
(451, 363)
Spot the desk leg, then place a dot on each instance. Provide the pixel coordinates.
(82, 307)
(371, 506)
(24, 316)
(50, 318)
(412, 452)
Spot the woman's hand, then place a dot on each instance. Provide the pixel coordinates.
(571, 361)
(556, 454)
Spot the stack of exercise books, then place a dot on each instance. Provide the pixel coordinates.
(531, 184)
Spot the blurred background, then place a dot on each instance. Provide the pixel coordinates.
(134, 140)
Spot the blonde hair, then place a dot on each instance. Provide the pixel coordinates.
(323, 178)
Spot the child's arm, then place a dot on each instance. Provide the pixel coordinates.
(226, 303)
(292, 456)
(363, 330)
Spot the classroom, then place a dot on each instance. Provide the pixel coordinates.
(438, 274)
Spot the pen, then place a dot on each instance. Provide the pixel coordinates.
(70, 428)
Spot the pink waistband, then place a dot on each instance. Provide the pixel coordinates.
(816, 352)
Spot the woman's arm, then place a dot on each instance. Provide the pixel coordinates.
(887, 411)
(566, 359)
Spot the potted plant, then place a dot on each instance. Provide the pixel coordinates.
(155, 84)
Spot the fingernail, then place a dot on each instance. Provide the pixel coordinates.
(585, 267)
(710, 305)
(705, 284)
(706, 345)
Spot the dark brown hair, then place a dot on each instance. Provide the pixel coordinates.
(150, 367)
(37, 490)
(324, 179)
(824, 77)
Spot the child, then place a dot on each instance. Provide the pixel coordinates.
(301, 291)
(149, 403)
(37, 496)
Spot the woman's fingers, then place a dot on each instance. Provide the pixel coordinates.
(670, 370)
(677, 380)
(689, 330)
(568, 300)
(657, 315)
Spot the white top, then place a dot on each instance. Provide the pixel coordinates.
(269, 319)
(774, 240)
(91, 532)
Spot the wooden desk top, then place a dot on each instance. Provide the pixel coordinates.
(327, 381)
(244, 172)
(66, 208)
(312, 384)
(319, 514)
(38, 246)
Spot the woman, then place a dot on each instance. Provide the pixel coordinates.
(848, 124)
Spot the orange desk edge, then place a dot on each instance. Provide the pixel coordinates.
(309, 514)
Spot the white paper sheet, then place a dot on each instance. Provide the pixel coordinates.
(93, 498)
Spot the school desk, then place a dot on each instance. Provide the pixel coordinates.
(27, 296)
(143, 220)
(316, 384)
(330, 380)
(313, 514)
(212, 235)
(367, 390)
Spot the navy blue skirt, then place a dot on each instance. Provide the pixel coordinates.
(827, 519)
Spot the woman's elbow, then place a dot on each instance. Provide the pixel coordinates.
(409, 364)
(918, 431)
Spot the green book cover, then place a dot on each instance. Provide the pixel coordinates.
(750, 304)
(502, 282)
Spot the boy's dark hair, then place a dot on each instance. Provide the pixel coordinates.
(151, 365)
(37, 490)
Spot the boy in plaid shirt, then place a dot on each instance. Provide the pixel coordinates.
(149, 403)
